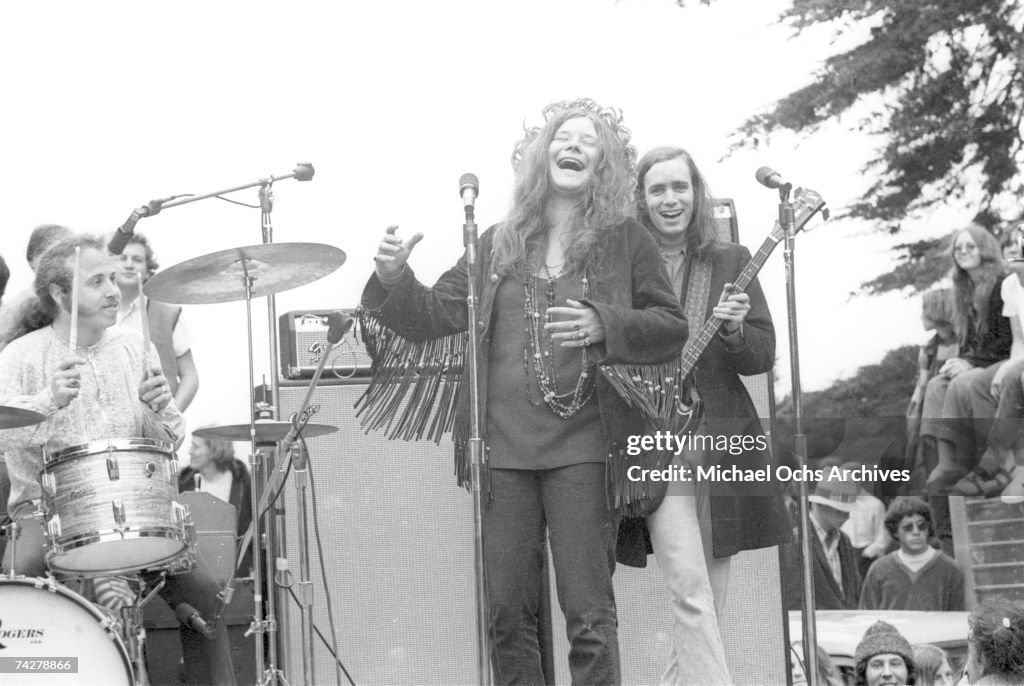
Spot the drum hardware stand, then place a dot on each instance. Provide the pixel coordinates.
(134, 630)
(469, 188)
(12, 532)
(787, 221)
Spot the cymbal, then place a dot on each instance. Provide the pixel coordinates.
(266, 431)
(15, 417)
(220, 277)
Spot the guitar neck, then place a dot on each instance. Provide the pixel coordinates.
(696, 348)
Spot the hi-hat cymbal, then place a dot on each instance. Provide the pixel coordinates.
(15, 417)
(266, 431)
(220, 277)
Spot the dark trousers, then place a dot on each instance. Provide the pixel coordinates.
(570, 503)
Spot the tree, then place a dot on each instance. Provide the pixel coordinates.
(944, 83)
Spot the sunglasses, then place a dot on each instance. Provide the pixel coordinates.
(914, 526)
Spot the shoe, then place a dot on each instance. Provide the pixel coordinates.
(941, 481)
(1013, 494)
(980, 483)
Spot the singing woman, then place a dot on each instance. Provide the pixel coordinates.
(568, 282)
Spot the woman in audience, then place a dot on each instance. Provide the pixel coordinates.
(958, 405)
(933, 668)
(995, 646)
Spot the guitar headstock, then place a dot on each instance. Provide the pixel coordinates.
(806, 204)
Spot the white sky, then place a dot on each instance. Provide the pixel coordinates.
(108, 105)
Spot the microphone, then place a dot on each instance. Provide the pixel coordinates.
(303, 171)
(769, 178)
(125, 231)
(190, 617)
(338, 324)
(469, 189)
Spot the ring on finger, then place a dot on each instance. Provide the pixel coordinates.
(586, 341)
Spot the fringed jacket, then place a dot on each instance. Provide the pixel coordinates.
(744, 515)
(416, 336)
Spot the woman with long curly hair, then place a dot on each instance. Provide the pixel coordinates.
(958, 404)
(995, 645)
(568, 281)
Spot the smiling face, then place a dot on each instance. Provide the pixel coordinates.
(887, 669)
(98, 296)
(668, 195)
(132, 266)
(966, 252)
(573, 156)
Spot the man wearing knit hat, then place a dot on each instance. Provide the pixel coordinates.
(835, 569)
(884, 657)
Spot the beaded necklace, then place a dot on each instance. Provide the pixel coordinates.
(565, 405)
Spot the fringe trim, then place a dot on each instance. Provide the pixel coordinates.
(656, 391)
(414, 387)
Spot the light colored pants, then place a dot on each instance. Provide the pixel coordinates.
(696, 583)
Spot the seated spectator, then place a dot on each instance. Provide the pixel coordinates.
(866, 526)
(884, 657)
(916, 576)
(937, 316)
(958, 406)
(932, 664)
(995, 646)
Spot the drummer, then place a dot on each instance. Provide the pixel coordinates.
(106, 386)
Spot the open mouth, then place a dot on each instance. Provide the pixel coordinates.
(571, 164)
(671, 214)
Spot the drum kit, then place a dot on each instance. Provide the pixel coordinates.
(111, 508)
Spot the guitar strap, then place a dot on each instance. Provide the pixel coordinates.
(697, 283)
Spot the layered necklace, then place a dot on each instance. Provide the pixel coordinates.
(540, 354)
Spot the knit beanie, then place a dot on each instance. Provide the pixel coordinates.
(882, 638)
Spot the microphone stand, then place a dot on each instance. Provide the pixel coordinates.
(787, 221)
(476, 447)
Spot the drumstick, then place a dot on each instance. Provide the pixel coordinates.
(145, 331)
(73, 336)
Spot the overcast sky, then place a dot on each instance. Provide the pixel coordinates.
(108, 105)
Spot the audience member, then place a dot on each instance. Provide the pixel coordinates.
(167, 326)
(14, 313)
(995, 646)
(828, 673)
(958, 405)
(866, 525)
(836, 577)
(916, 576)
(932, 665)
(884, 657)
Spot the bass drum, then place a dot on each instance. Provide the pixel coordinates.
(43, 621)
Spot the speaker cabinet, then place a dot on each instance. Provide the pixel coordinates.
(397, 544)
(397, 547)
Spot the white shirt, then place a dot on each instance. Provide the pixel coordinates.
(180, 337)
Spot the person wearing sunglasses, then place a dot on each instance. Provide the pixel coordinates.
(916, 576)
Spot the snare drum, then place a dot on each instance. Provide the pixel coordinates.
(112, 507)
(44, 621)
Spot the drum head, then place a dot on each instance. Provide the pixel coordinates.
(44, 621)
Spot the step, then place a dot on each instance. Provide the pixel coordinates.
(997, 552)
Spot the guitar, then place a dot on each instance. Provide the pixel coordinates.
(663, 393)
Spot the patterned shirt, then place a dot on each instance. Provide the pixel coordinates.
(830, 544)
(108, 404)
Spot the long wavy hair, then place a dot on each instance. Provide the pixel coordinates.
(55, 268)
(928, 660)
(997, 632)
(700, 234)
(607, 199)
(971, 293)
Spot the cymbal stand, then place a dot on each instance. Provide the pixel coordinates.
(258, 626)
(277, 608)
(299, 462)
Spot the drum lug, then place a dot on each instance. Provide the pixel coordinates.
(172, 469)
(179, 513)
(113, 470)
(49, 484)
(119, 512)
(53, 527)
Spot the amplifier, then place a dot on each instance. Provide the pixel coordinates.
(303, 339)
